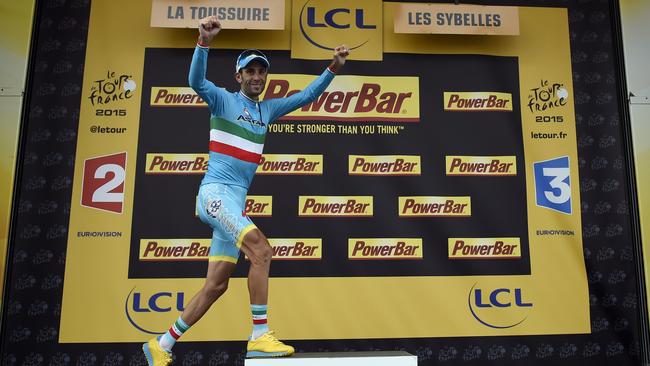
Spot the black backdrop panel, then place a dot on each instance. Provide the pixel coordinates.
(164, 204)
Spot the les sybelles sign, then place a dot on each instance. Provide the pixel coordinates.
(456, 19)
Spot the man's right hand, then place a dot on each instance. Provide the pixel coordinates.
(208, 28)
(340, 54)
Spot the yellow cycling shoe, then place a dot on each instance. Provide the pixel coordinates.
(156, 356)
(268, 346)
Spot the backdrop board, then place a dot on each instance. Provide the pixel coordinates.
(440, 180)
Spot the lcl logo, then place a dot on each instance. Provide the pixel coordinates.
(337, 18)
(160, 302)
(505, 299)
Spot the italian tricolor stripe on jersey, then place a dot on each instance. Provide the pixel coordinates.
(232, 140)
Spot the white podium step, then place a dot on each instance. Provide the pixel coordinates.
(378, 358)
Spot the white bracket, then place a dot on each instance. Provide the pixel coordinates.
(8, 91)
(377, 358)
(639, 99)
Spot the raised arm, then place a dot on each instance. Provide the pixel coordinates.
(283, 106)
(208, 29)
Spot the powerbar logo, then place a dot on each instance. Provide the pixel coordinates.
(296, 249)
(176, 163)
(199, 249)
(255, 206)
(480, 248)
(385, 248)
(174, 249)
(259, 206)
(426, 206)
(352, 98)
(384, 165)
(477, 101)
(175, 97)
(280, 164)
(332, 206)
(481, 165)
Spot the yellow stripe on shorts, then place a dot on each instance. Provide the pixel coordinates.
(243, 233)
(222, 258)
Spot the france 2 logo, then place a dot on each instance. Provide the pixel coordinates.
(553, 184)
(103, 182)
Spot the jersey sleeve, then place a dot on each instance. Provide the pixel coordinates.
(281, 106)
(215, 97)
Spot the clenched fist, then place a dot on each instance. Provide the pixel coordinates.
(208, 28)
(340, 54)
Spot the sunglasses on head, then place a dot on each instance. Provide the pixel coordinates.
(247, 56)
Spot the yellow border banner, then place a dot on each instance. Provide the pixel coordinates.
(16, 18)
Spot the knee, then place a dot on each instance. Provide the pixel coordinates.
(262, 254)
(215, 289)
(266, 252)
(260, 248)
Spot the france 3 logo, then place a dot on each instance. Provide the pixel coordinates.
(553, 184)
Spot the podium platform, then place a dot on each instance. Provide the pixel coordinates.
(377, 358)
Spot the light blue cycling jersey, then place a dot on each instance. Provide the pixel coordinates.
(238, 124)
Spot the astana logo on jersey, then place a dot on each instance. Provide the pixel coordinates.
(213, 207)
(246, 116)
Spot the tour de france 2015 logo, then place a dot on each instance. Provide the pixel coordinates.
(548, 97)
(105, 92)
